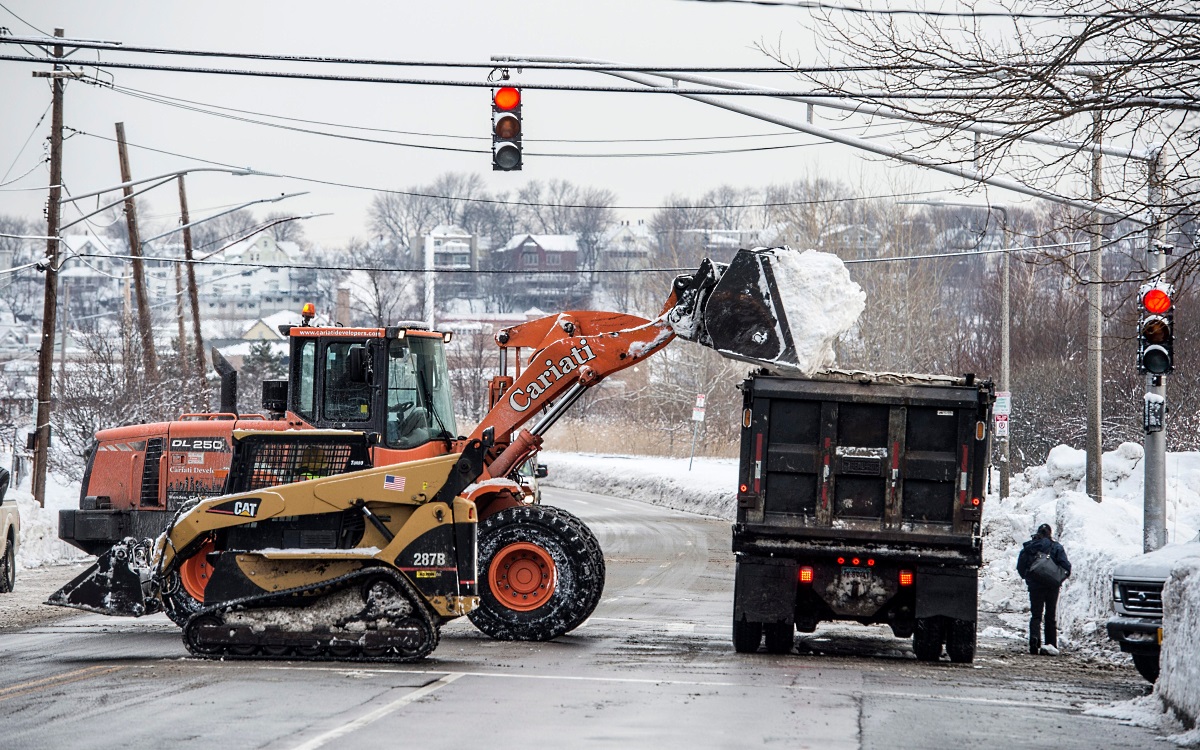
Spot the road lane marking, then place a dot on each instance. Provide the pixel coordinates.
(378, 713)
(33, 686)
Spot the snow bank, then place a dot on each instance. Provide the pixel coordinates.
(40, 544)
(1178, 684)
(708, 489)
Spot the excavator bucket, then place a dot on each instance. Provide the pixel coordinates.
(119, 583)
(771, 306)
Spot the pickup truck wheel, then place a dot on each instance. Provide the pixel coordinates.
(1147, 665)
(8, 572)
(960, 641)
(538, 577)
(746, 636)
(927, 639)
(781, 637)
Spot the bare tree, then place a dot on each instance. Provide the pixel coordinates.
(1047, 73)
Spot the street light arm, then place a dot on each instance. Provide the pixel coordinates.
(166, 176)
(219, 215)
(103, 208)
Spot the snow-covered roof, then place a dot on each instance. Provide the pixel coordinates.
(553, 243)
(448, 230)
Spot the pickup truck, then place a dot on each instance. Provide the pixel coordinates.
(859, 499)
(10, 536)
(1137, 586)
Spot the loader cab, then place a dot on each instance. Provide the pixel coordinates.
(393, 382)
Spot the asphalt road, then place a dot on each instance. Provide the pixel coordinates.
(653, 668)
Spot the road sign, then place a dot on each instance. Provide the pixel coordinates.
(1002, 425)
(1003, 403)
(698, 409)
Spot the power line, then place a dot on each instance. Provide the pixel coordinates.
(1180, 102)
(532, 204)
(544, 154)
(199, 107)
(22, 20)
(33, 132)
(491, 65)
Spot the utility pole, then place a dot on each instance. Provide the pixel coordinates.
(135, 249)
(1154, 500)
(1095, 337)
(41, 450)
(193, 297)
(1005, 346)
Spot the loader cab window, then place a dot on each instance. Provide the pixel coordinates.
(305, 378)
(347, 386)
(418, 398)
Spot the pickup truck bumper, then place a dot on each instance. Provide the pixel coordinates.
(1136, 635)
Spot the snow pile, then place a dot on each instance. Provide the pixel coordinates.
(820, 300)
(1096, 536)
(40, 544)
(1179, 682)
(707, 489)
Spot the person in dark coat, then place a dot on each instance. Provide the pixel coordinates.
(1042, 596)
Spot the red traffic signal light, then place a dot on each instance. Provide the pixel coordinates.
(1156, 323)
(506, 99)
(506, 129)
(1156, 301)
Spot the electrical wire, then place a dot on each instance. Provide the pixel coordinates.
(36, 125)
(1180, 102)
(534, 204)
(492, 65)
(200, 107)
(22, 20)
(30, 171)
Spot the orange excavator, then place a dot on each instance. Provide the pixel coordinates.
(342, 473)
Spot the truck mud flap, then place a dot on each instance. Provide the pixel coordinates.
(947, 592)
(765, 590)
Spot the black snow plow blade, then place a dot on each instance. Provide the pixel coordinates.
(119, 583)
(737, 309)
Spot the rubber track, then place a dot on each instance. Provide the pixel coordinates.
(420, 615)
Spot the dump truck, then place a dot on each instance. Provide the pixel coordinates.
(178, 528)
(859, 500)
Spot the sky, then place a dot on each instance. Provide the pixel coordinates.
(648, 32)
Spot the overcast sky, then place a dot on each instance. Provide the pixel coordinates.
(649, 32)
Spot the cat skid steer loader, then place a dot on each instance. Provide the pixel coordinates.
(251, 548)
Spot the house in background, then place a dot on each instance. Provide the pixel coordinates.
(546, 270)
(455, 257)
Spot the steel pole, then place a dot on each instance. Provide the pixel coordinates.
(1005, 348)
(1095, 337)
(1154, 501)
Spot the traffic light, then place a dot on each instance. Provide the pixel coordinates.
(506, 129)
(1156, 337)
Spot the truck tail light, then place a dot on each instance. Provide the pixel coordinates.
(870, 562)
(906, 578)
(855, 561)
(806, 574)
(841, 561)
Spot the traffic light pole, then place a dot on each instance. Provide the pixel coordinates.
(1154, 501)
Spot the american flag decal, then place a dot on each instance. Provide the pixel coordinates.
(393, 482)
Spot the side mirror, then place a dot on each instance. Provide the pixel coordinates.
(541, 471)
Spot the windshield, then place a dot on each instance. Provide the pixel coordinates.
(419, 405)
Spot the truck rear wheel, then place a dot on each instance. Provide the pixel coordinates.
(1147, 665)
(960, 641)
(781, 636)
(746, 636)
(538, 575)
(927, 639)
